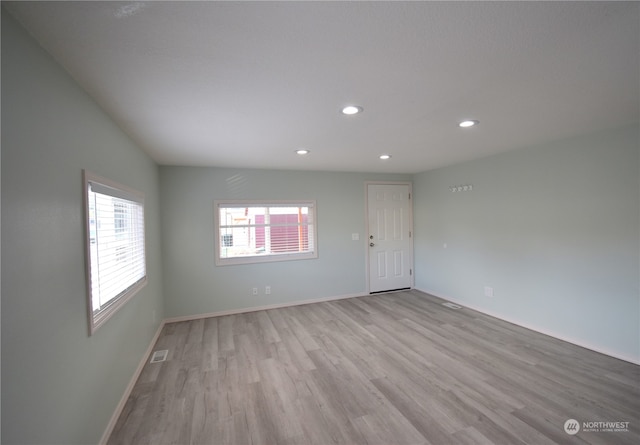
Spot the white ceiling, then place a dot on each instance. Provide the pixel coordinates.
(244, 84)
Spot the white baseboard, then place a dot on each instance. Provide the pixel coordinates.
(260, 308)
(127, 392)
(531, 327)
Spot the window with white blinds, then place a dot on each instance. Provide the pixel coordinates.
(258, 231)
(116, 263)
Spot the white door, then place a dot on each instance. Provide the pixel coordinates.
(390, 239)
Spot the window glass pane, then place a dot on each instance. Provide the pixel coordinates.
(252, 230)
(116, 248)
(117, 255)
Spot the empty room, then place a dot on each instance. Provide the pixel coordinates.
(359, 223)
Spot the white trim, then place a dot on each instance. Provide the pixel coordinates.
(109, 187)
(366, 227)
(574, 341)
(127, 392)
(261, 308)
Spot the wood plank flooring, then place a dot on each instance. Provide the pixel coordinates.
(387, 369)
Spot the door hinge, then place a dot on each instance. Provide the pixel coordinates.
(409, 233)
(409, 196)
(410, 272)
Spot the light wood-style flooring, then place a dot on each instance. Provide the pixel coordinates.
(387, 369)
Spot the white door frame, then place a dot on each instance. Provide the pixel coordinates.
(366, 213)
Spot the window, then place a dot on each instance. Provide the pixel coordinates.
(116, 265)
(255, 231)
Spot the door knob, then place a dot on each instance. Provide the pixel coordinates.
(371, 244)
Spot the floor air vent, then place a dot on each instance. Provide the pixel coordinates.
(451, 305)
(159, 356)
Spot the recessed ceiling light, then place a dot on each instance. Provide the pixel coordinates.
(352, 109)
(385, 157)
(303, 151)
(468, 123)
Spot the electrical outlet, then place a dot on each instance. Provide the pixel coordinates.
(267, 290)
(488, 291)
(255, 291)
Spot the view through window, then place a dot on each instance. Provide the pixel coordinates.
(254, 232)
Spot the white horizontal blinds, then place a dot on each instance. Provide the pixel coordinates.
(116, 237)
(266, 229)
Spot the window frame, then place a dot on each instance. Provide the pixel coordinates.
(108, 187)
(266, 258)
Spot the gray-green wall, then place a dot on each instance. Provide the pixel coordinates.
(194, 285)
(60, 386)
(553, 229)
